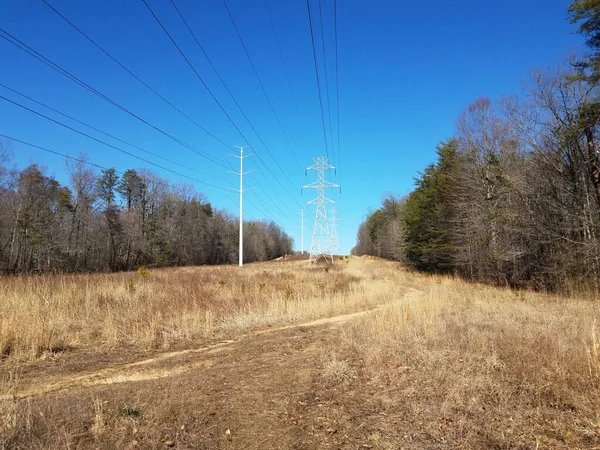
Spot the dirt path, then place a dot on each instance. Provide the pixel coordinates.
(416, 371)
(265, 389)
(176, 363)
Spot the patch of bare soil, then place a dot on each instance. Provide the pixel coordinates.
(45, 378)
(246, 392)
(255, 393)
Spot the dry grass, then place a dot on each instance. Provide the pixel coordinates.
(42, 315)
(337, 371)
(474, 366)
(451, 365)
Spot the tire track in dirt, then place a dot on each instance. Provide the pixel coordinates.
(129, 373)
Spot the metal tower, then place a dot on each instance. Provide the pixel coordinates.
(333, 231)
(320, 247)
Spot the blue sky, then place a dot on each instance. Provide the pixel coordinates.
(406, 71)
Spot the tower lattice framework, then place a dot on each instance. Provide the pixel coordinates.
(321, 247)
(333, 230)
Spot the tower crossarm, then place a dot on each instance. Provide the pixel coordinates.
(316, 201)
(320, 185)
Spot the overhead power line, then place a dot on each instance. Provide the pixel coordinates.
(235, 101)
(281, 201)
(53, 152)
(312, 38)
(103, 50)
(110, 135)
(274, 204)
(285, 68)
(262, 87)
(27, 49)
(267, 207)
(218, 102)
(326, 76)
(267, 214)
(337, 84)
(89, 163)
(193, 69)
(107, 144)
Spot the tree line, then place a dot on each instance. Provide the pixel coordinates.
(107, 221)
(514, 197)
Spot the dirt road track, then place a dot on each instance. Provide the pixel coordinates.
(174, 363)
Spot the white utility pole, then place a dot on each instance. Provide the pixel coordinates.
(241, 190)
(321, 245)
(302, 232)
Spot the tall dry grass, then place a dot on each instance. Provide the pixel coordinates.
(442, 364)
(474, 366)
(159, 308)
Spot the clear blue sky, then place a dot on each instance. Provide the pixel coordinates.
(406, 70)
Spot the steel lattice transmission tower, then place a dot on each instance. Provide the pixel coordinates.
(321, 244)
(333, 230)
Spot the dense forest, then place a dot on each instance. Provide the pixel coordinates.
(107, 221)
(514, 197)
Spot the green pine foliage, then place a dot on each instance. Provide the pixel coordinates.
(586, 13)
(428, 214)
(418, 229)
(514, 198)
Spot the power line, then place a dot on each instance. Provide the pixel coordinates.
(194, 70)
(275, 205)
(108, 134)
(27, 49)
(53, 151)
(235, 102)
(237, 31)
(281, 201)
(133, 74)
(312, 37)
(254, 219)
(84, 161)
(275, 190)
(337, 83)
(273, 219)
(269, 210)
(326, 75)
(285, 68)
(107, 144)
(217, 101)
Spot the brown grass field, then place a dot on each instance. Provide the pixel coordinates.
(282, 355)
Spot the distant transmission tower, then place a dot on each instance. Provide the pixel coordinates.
(333, 231)
(321, 245)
